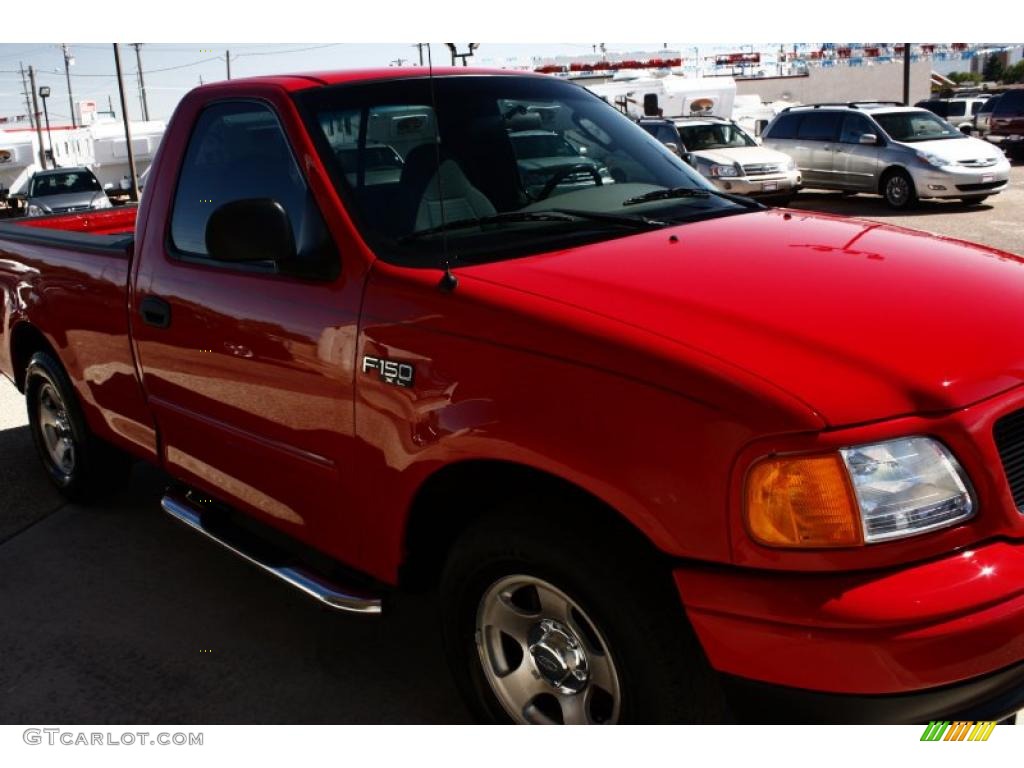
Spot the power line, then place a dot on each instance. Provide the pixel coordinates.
(293, 50)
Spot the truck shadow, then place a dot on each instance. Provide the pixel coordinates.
(116, 613)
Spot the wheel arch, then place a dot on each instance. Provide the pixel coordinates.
(888, 171)
(26, 340)
(457, 495)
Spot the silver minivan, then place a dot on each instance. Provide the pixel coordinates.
(902, 153)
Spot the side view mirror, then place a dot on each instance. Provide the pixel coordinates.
(689, 159)
(867, 138)
(672, 146)
(251, 230)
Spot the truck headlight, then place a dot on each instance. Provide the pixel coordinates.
(719, 171)
(858, 495)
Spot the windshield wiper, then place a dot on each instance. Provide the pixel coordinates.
(633, 222)
(670, 193)
(499, 218)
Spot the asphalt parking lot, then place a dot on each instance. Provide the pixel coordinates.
(116, 613)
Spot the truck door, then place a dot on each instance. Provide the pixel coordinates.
(248, 367)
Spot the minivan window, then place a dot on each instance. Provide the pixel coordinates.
(785, 127)
(820, 126)
(855, 126)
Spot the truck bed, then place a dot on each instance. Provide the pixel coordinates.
(104, 231)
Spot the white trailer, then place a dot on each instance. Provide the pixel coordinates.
(669, 96)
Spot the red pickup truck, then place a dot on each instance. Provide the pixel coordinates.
(667, 454)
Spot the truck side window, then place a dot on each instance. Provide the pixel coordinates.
(239, 151)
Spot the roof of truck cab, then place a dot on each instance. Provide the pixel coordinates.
(304, 80)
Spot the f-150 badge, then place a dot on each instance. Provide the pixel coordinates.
(390, 371)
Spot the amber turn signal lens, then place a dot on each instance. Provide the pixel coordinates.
(803, 501)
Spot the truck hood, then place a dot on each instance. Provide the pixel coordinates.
(858, 320)
(744, 156)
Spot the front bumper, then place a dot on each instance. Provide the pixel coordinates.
(985, 698)
(896, 631)
(961, 182)
(776, 184)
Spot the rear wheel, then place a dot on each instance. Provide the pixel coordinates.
(540, 632)
(79, 464)
(898, 189)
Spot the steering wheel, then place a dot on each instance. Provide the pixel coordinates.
(563, 173)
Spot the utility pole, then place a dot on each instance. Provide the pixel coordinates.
(464, 56)
(227, 58)
(399, 62)
(906, 74)
(35, 111)
(110, 106)
(142, 82)
(28, 103)
(419, 47)
(133, 191)
(68, 61)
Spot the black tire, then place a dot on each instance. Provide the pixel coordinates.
(973, 200)
(898, 189)
(627, 599)
(89, 467)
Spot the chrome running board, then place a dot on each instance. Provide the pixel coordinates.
(332, 595)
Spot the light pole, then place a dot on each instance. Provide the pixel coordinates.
(69, 61)
(44, 94)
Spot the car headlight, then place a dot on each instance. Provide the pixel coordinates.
(933, 160)
(36, 210)
(718, 171)
(101, 202)
(855, 496)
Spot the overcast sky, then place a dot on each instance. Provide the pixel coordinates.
(172, 69)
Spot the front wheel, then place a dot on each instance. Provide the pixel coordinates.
(540, 632)
(898, 189)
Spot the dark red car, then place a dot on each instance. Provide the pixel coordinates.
(668, 455)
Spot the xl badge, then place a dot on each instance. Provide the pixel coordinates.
(390, 372)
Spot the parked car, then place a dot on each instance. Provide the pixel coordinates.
(1007, 123)
(664, 453)
(729, 157)
(64, 190)
(547, 162)
(902, 153)
(959, 111)
(982, 121)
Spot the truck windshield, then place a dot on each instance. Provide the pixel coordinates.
(713, 136)
(465, 149)
(68, 183)
(916, 125)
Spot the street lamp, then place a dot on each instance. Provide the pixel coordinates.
(44, 94)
